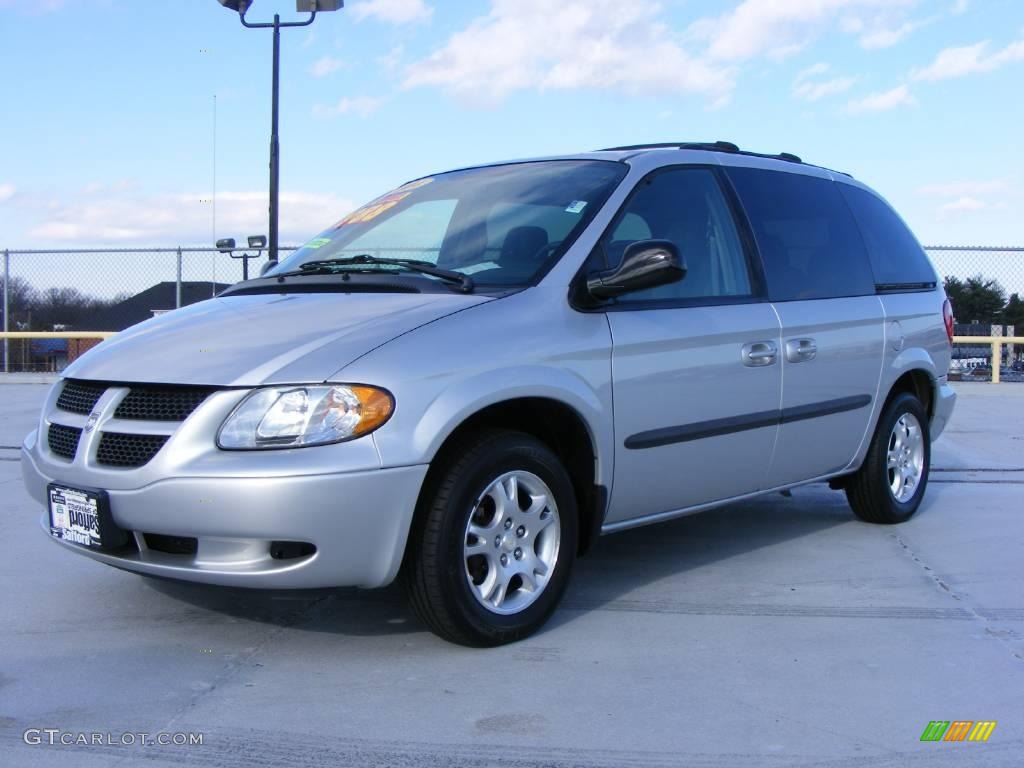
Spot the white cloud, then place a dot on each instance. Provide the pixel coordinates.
(963, 188)
(963, 205)
(815, 69)
(392, 11)
(6, 192)
(777, 28)
(182, 219)
(960, 6)
(808, 87)
(882, 101)
(325, 66)
(967, 196)
(391, 60)
(969, 60)
(886, 37)
(607, 44)
(809, 91)
(361, 106)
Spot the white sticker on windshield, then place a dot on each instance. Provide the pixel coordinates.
(576, 206)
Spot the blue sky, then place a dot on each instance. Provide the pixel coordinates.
(107, 105)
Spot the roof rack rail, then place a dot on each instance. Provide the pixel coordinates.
(711, 146)
(720, 146)
(707, 146)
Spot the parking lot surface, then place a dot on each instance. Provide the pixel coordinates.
(776, 632)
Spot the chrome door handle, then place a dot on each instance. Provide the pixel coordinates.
(759, 353)
(801, 350)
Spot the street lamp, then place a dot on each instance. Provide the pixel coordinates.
(312, 7)
(257, 242)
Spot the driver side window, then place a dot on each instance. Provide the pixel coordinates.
(687, 207)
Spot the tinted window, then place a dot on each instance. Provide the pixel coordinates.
(808, 239)
(896, 256)
(687, 207)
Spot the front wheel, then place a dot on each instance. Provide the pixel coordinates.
(495, 541)
(889, 486)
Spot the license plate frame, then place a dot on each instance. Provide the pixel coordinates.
(81, 516)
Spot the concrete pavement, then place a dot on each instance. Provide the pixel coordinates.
(775, 632)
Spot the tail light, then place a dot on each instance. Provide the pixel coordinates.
(947, 318)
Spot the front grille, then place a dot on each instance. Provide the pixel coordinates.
(63, 440)
(117, 449)
(80, 396)
(161, 403)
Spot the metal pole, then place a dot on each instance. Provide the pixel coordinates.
(177, 282)
(275, 149)
(7, 310)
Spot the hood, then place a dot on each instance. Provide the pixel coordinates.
(262, 339)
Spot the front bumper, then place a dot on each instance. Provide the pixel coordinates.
(358, 521)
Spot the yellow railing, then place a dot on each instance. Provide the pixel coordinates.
(997, 348)
(76, 335)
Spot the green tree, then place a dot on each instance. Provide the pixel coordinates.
(976, 300)
(20, 296)
(63, 306)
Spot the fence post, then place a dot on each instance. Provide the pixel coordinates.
(7, 310)
(997, 360)
(177, 283)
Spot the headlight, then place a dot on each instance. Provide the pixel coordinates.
(290, 417)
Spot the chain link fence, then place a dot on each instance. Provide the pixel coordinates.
(109, 290)
(103, 290)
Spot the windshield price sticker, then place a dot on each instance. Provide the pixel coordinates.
(381, 204)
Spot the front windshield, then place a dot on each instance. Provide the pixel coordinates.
(503, 225)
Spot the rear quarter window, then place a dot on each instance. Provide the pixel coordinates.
(806, 234)
(897, 258)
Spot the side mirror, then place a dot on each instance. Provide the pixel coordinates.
(227, 245)
(645, 264)
(267, 266)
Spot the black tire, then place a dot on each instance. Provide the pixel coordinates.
(435, 570)
(869, 491)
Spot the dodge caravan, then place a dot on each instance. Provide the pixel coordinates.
(466, 381)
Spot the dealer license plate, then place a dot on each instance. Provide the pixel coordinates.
(75, 515)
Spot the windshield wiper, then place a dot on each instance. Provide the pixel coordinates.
(327, 266)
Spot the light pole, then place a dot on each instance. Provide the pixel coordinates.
(312, 7)
(258, 242)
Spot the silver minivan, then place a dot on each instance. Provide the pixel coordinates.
(466, 381)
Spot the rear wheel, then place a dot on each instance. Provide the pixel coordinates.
(890, 484)
(496, 537)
